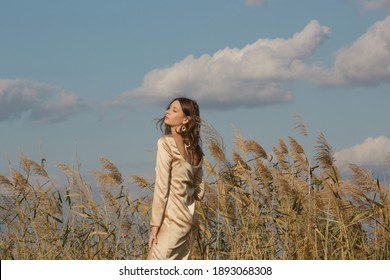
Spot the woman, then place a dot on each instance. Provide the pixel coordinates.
(179, 182)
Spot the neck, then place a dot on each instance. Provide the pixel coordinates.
(178, 137)
(174, 132)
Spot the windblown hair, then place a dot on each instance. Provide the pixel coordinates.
(191, 133)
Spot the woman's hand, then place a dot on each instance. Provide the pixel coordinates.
(153, 236)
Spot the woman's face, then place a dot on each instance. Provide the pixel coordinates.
(174, 116)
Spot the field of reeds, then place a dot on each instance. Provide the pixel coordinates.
(287, 204)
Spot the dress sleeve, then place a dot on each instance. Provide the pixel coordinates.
(199, 185)
(161, 187)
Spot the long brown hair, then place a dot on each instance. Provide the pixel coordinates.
(191, 133)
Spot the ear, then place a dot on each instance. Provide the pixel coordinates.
(186, 119)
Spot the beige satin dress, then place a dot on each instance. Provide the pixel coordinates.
(178, 185)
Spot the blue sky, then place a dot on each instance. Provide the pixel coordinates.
(89, 77)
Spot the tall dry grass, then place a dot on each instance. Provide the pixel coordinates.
(279, 204)
(41, 220)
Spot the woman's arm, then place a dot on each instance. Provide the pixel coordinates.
(161, 187)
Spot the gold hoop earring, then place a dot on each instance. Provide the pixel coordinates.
(183, 128)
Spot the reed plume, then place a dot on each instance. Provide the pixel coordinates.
(279, 204)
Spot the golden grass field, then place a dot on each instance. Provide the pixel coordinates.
(285, 204)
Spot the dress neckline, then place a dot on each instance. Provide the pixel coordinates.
(177, 148)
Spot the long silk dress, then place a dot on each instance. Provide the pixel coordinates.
(178, 185)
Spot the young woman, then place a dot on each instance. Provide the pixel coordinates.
(179, 182)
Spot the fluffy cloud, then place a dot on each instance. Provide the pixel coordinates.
(367, 61)
(372, 153)
(260, 73)
(37, 101)
(257, 74)
(369, 5)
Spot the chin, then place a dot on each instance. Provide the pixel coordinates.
(168, 124)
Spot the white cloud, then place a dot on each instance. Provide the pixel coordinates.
(369, 5)
(255, 2)
(260, 73)
(372, 153)
(367, 61)
(37, 101)
(257, 74)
